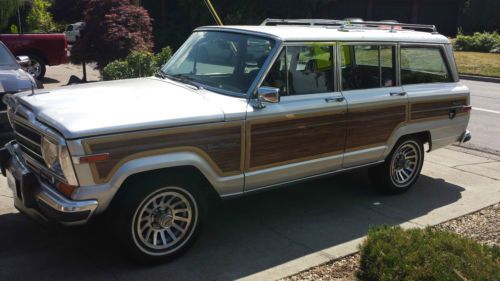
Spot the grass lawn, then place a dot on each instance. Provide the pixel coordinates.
(474, 63)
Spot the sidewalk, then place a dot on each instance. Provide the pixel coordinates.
(478, 173)
(265, 236)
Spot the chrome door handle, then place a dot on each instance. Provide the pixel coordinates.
(337, 99)
(398, 93)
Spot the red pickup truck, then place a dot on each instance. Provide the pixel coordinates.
(42, 49)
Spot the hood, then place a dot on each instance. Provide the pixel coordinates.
(124, 105)
(14, 80)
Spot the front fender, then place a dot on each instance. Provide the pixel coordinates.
(104, 193)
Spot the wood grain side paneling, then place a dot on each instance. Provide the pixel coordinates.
(282, 141)
(435, 109)
(372, 126)
(221, 146)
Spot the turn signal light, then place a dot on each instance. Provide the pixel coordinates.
(66, 189)
(92, 158)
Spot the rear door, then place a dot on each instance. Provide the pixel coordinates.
(436, 97)
(377, 105)
(304, 134)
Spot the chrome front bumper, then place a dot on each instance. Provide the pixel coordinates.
(36, 197)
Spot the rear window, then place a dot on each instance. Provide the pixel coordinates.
(423, 65)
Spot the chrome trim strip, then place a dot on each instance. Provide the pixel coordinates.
(27, 139)
(278, 185)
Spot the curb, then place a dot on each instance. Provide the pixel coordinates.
(480, 78)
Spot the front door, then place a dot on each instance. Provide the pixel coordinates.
(304, 134)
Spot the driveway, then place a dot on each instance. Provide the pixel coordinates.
(263, 237)
(57, 76)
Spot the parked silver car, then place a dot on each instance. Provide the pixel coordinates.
(13, 79)
(236, 110)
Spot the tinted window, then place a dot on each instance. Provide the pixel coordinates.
(368, 66)
(423, 65)
(6, 59)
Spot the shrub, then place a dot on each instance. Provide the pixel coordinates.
(114, 28)
(137, 64)
(478, 42)
(391, 253)
(39, 19)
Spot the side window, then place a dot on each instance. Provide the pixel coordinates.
(310, 69)
(368, 66)
(423, 65)
(388, 65)
(276, 77)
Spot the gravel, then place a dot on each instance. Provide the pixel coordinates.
(482, 226)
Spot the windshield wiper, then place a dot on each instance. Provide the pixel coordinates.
(183, 78)
(160, 74)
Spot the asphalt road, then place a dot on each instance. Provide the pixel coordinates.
(485, 118)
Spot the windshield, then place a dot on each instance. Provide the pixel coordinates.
(6, 58)
(221, 60)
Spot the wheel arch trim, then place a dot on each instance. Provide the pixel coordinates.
(223, 185)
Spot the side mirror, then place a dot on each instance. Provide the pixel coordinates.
(268, 94)
(23, 60)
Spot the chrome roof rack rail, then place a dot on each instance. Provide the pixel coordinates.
(345, 25)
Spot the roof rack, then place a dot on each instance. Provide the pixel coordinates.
(345, 25)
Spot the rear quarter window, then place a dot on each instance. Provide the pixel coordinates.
(423, 65)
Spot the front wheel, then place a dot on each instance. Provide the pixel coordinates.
(36, 67)
(157, 223)
(401, 168)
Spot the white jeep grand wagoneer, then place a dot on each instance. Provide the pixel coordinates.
(237, 109)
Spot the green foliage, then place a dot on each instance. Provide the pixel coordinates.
(39, 19)
(479, 42)
(13, 29)
(8, 8)
(391, 253)
(136, 64)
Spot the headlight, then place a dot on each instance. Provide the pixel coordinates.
(58, 159)
(67, 166)
(50, 153)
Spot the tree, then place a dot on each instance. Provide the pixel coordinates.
(8, 9)
(39, 18)
(481, 15)
(113, 29)
(68, 11)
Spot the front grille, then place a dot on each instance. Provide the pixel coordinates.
(29, 141)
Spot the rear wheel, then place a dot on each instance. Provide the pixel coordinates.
(158, 222)
(401, 168)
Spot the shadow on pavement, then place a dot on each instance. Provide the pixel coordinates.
(47, 80)
(240, 238)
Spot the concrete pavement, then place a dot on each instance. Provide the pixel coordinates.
(57, 76)
(261, 237)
